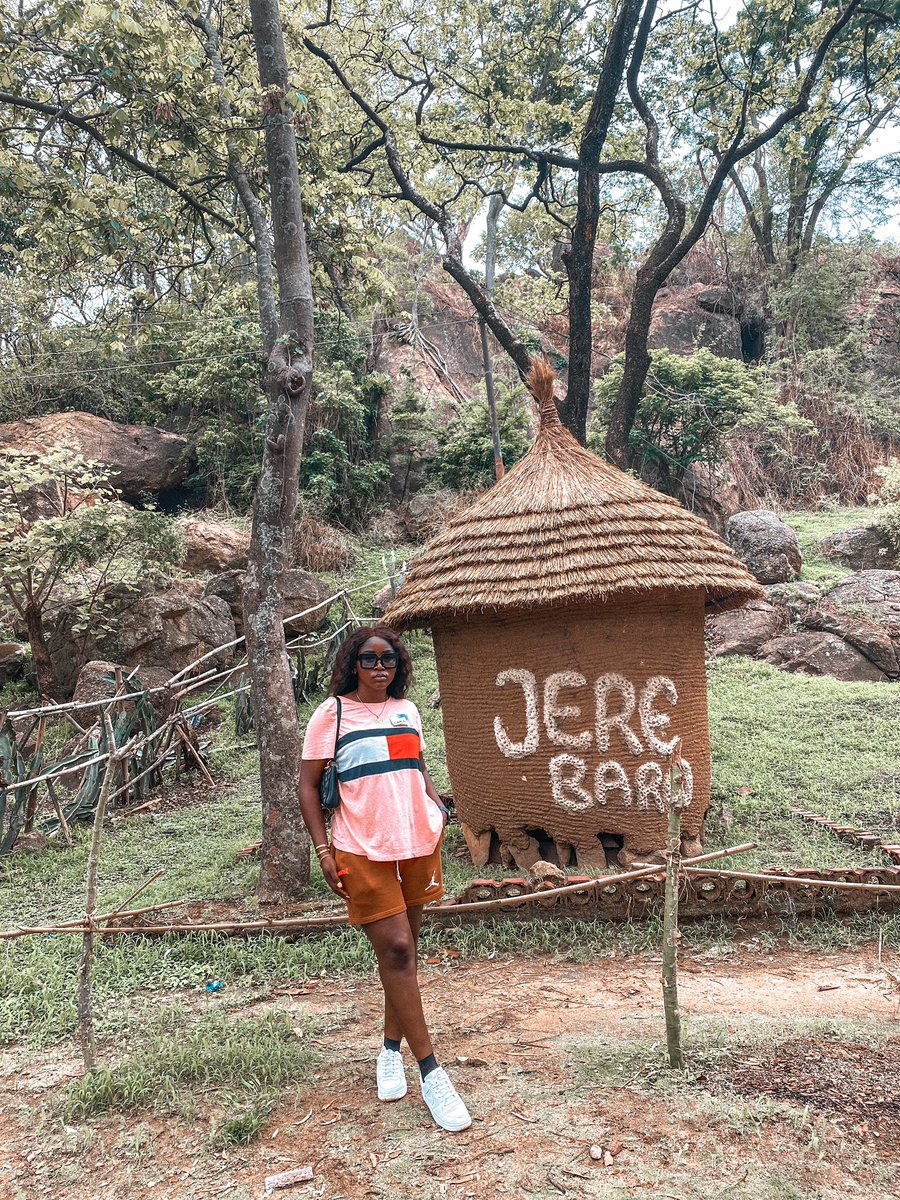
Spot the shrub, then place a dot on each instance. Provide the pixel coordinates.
(465, 454)
(689, 404)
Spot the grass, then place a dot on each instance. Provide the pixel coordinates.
(237, 1066)
(781, 741)
(811, 527)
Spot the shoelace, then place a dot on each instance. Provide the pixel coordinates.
(442, 1088)
(392, 1064)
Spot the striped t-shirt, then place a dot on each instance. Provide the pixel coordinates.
(385, 813)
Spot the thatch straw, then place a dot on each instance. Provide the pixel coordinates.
(561, 528)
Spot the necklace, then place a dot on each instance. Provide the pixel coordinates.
(376, 715)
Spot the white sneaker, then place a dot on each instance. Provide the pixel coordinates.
(390, 1075)
(443, 1101)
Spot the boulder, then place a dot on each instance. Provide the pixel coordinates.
(213, 546)
(96, 681)
(382, 599)
(864, 548)
(139, 458)
(768, 546)
(811, 653)
(163, 624)
(864, 633)
(874, 594)
(302, 590)
(31, 843)
(743, 630)
(711, 493)
(796, 596)
(12, 662)
(681, 325)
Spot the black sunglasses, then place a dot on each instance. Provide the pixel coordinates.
(369, 660)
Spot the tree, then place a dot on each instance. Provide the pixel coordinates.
(787, 186)
(288, 345)
(739, 92)
(169, 111)
(65, 536)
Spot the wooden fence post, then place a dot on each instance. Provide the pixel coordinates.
(670, 912)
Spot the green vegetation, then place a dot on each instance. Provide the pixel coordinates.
(811, 527)
(783, 741)
(238, 1065)
(689, 405)
(779, 741)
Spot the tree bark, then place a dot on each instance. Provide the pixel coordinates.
(47, 683)
(288, 378)
(579, 258)
(495, 207)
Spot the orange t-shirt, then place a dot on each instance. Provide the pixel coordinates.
(385, 813)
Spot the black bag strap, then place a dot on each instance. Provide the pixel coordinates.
(337, 728)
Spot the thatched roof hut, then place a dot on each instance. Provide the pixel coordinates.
(563, 527)
(601, 582)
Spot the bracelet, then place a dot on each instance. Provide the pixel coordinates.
(321, 846)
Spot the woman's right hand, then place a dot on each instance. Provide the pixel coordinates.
(330, 871)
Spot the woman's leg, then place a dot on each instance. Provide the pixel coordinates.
(394, 942)
(393, 1027)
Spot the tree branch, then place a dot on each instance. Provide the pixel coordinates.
(62, 113)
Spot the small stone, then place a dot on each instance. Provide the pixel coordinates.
(596, 1153)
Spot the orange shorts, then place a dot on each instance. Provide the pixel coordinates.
(385, 889)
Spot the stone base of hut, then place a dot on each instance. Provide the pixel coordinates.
(560, 725)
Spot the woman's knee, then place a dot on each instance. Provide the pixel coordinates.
(397, 954)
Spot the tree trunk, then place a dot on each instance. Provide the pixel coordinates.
(495, 207)
(579, 258)
(47, 683)
(284, 870)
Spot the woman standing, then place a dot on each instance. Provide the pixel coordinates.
(384, 859)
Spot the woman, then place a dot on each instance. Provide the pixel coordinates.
(384, 859)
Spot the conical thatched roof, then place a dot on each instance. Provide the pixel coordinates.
(561, 528)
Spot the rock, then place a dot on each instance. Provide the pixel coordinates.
(796, 597)
(547, 872)
(875, 594)
(139, 458)
(681, 325)
(213, 546)
(863, 548)
(711, 493)
(302, 590)
(768, 546)
(96, 681)
(425, 513)
(164, 624)
(381, 601)
(862, 632)
(810, 653)
(12, 662)
(31, 843)
(744, 630)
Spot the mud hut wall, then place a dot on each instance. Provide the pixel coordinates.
(560, 720)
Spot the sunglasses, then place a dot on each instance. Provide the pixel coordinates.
(369, 660)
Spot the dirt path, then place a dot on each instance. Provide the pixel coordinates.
(553, 1058)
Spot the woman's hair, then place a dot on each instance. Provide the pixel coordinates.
(344, 678)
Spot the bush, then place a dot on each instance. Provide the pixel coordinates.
(689, 404)
(341, 475)
(465, 454)
(888, 520)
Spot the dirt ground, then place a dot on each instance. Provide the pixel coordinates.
(554, 1059)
